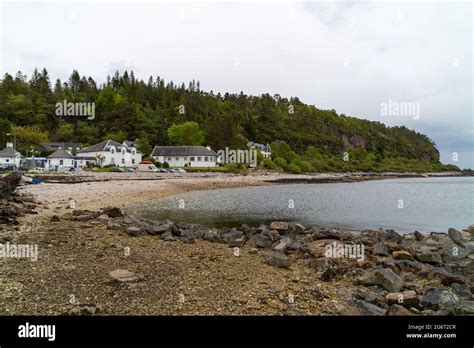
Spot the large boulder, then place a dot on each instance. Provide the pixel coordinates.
(384, 277)
(276, 259)
(438, 298)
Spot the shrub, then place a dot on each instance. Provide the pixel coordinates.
(267, 163)
(293, 168)
(280, 162)
(166, 165)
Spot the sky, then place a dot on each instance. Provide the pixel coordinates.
(354, 57)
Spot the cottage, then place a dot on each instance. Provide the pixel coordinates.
(265, 150)
(53, 146)
(185, 156)
(9, 157)
(110, 152)
(60, 160)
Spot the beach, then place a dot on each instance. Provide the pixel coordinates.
(97, 261)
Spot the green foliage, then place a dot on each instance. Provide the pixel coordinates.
(165, 165)
(187, 133)
(149, 112)
(267, 163)
(280, 162)
(293, 168)
(28, 137)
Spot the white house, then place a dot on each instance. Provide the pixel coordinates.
(181, 156)
(265, 150)
(60, 160)
(110, 152)
(10, 157)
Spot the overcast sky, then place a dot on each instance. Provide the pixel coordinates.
(346, 56)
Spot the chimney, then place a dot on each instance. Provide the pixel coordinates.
(208, 147)
(9, 144)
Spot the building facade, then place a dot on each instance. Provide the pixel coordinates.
(110, 152)
(185, 156)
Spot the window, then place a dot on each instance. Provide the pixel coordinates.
(169, 158)
(133, 151)
(185, 158)
(123, 160)
(191, 159)
(199, 159)
(7, 160)
(112, 150)
(60, 162)
(133, 160)
(177, 158)
(206, 159)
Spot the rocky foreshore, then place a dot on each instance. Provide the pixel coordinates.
(385, 273)
(179, 268)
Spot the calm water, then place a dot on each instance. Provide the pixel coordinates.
(429, 204)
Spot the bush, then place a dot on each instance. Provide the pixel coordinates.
(293, 168)
(280, 162)
(305, 166)
(166, 165)
(267, 163)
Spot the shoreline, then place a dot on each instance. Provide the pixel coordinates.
(114, 264)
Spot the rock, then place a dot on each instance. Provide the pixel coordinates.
(85, 217)
(54, 218)
(293, 246)
(187, 237)
(238, 242)
(112, 212)
(276, 259)
(462, 291)
(419, 236)
(407, 298)
(246, 229)
(135, 231)
(103, 217)
(384, 277)
(327, 234)
(279, 226)
(212, 235)
(368, 308)
(426, 255)
(447, 278)
(231, 236)
(438, 298)
(370, 297)
(397, 310)
(455, 236)
(388, 279)
(114, 226)
(84, 309)
(282, 245)
(380, 249)
(262, 241)
(253, 251)
(298, 228)
(158, 229)
(402, 255)
(123, 275)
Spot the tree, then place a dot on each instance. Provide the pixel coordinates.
(187, 133)
(28, 137)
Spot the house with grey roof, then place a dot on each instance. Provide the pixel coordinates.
(264, 149)
(185, 156)
(10, 157)
(110, 152)
(53, 146)
(60, 160)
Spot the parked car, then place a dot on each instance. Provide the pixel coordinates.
(129, 170)
(116, 170)
(179, 170)
(163, 170)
